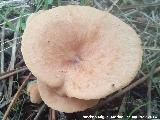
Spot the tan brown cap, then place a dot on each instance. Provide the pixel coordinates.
(86, 52)
(33, 92)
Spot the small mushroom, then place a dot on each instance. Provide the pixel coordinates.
(61, 102)
(33, 92)
(80, 54)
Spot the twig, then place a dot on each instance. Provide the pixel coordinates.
(42, 108)
(149, 112)
(113, 4)
(2, 83)
(139, 6)
(151, 48)
(13, 58)
(19, 63)
(149, 81)
(10, 73)
(16, 97)
(2, 47)
(121, 92)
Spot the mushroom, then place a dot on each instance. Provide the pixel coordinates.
(33, 92)
(80, 54)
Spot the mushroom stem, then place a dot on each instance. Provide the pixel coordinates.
(33, 92)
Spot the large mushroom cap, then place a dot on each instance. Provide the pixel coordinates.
(84, 52)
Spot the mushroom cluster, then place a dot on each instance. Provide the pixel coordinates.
(79, 54)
